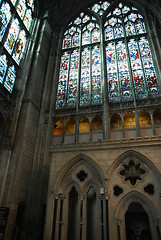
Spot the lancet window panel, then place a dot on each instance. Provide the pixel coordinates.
(14, 29)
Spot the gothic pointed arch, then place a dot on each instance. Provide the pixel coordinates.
(80, 169)
(79, 198)
(132, 179)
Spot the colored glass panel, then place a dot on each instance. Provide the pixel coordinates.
(112, 21)
(67, 41)
(130, 29)
(72, 30)
(113, 88)
(19, 46)
(125, 9)
(149, 70)
(140, 26)
(96, 76)
(90, 26)
(86, 37)
(124, 76)
(28, 19)
(12, 35)
(75, 40)
(108, 33)
(137, 71)
(77, 21)
(5, 15)
(117, 11)
(21, 8)
(118, 31)
(10, 78)
(85, 78)
(132, 17)
(95, 35)
(85, 19)
(3, 67)
(96, 8)
(73, 80)
(63, 79)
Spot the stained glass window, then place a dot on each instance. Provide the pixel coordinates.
(129, 69)
(131, 63)
(85, 78)
(3, 67)
(28, 19)
(19, 46)
(63, 80)
(13, 34)
(73, 79)
(10, 78)
(21, 8)
(5, 15)
(96, 76)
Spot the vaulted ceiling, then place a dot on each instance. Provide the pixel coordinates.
(60, 11)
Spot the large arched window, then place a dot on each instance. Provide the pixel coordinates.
(15, 27)
(106, 51)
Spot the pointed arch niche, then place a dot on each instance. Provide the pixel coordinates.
(78, 204)
(133, 188)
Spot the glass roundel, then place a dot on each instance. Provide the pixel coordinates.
(15, 27)
(128, 71)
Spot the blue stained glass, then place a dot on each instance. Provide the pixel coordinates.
(21, 8)
(12, 35)
(124, 76)
(117, 11)
(85, 78)
(148, 66)
(28, 19)
(113, 89)
(86, 37)
(137, 71)
(90, 26)
(19, 47)
(5, 15)
(96, 76)
(140, 27)
(95, 35)
(67, 41)
(10, 78)
(108, 33)
(85, 19)
(75, 40)
(77, 21)
(63, 79)
(132, 17)
(130, 29)
(3, 67)
(118, 30)
(125, 9)
(73, 79)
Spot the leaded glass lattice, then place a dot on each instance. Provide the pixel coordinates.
(10, 78)
(129, 69)
(5, 15)
(12, 35)
(3, 67)
(13, 32)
